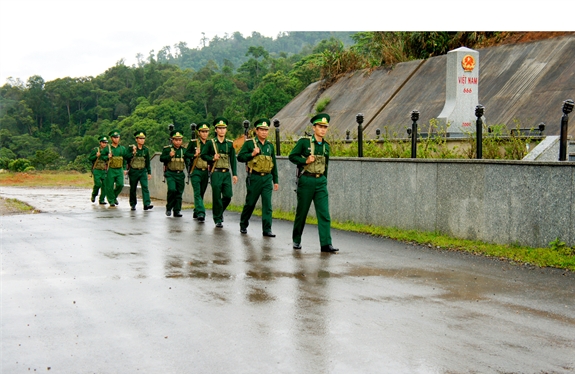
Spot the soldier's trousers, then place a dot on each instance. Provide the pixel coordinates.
(114, 184)
(136, 176)
(199, 180)
(221, 194)
(259, 186)
(176, 181)
(312, 189)
(99, 184)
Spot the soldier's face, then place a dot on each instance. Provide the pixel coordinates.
(204, 134)
(320, 130)
(177, 142)
(262, 133)
(103, 144)
(115, 140)
(140, 141)
(221, 131)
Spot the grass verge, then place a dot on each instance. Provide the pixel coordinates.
(14, 206)
(555, 256)
(68, 179)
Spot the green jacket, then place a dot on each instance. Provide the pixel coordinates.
(144, 152)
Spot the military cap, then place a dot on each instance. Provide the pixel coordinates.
(140, 134)
(220, 122)
(176, 134)
(262, 123)
(203, 126)
(114, 133)
(103, 138)
(321, 119)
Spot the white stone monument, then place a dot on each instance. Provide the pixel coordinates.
(462, 93)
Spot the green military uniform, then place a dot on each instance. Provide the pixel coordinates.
(198, 169)
(138, 170)
(312, 186)
(115, 177)
(99, 169)
(174, 174)
(221, 180)
(262, 175)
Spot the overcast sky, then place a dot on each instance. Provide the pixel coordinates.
(75, 38)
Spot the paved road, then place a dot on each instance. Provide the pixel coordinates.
(90, 289)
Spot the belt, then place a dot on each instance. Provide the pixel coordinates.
(315, 175)
(221, 170)
(136, 168)
(176, 171)
(260, 174)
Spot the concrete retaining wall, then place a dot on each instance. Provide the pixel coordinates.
(506, 202)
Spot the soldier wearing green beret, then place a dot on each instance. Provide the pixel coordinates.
(173, 157)
(198, 169)
(223, 155)
(139, 171)
(262, 178)
(99, 159)
(311, 155)
(116, 168)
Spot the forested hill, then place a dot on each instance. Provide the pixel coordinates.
(231, 50)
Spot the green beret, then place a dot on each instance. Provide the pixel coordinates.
(176, 134)
(140, 134)
(103, 138)
(114, 133)
(203, 126)
(220, 122)
(262, 123)
(322, 119)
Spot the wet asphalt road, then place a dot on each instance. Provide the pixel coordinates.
(91, 289)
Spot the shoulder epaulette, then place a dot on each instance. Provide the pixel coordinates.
(167, 146)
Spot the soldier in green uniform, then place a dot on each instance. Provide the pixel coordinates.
(198, 169)
(223, 155)
(259, 155)
(311, 155)
(173, 157)
(116, 167)
(139, 171)
(99, 159)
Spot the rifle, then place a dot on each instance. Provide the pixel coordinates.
(170, 129)
(191, 169)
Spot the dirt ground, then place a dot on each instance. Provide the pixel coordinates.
(9, 209)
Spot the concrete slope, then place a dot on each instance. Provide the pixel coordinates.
(520, 85)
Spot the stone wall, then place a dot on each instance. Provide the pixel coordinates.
(506, 202)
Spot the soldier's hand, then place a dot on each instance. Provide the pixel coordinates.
(216, 156)
(256, 151)
(149, 176)
(172, 153)
(98, 154)
(234, 179)
(310, 159)
(276, 186)
(134, 149)
(110, 155)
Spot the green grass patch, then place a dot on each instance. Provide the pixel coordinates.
(47, 179)
(555, 256)
(15, 206)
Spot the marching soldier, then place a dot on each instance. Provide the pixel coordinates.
(311, 155)
(223, 155)
(198, 169)
(117, 164)
(99, 159)
(173, 156)
(139, 170)
(262, 176)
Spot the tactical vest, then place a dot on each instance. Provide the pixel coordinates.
(176, 163)
(116, 162)
(200, 163)
(260, 163)
(318, 166)
(138, 162)
(100, 164)
(224, 161)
